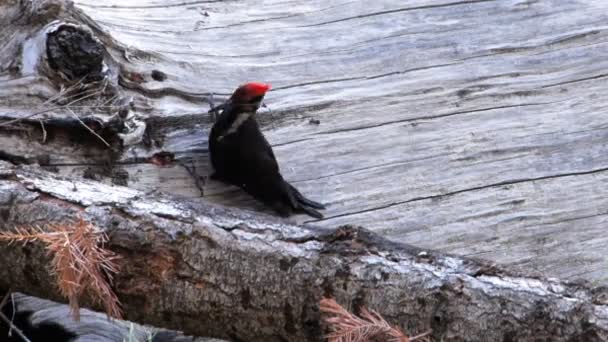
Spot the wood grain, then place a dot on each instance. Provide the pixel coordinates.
(473, 127)
(189, 265)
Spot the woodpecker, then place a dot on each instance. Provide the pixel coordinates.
(241, 155)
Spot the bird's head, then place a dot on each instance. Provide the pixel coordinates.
(242, 105)
(250, 94)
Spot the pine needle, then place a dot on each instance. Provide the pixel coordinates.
(369, 326)
(79, 261)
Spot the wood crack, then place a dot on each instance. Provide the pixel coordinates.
(357, 78)
(181, 4)
(397, 10)
(456, 192)
(248, 22)
(430, 117)
(575, 81)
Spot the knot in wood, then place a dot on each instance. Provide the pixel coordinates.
(75, 53)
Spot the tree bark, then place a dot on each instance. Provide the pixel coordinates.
(211, 271)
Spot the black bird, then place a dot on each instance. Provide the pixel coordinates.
(241, 155)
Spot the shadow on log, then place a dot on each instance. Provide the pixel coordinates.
(44, 320)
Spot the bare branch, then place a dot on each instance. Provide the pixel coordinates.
(9, 322)
(87, 127)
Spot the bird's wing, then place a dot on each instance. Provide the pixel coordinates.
(269, 153)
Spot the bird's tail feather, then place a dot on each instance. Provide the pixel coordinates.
(310, 211)
(303, 200)
(299, 202)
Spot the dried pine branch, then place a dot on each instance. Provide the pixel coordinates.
(346, 327)
(79, 261)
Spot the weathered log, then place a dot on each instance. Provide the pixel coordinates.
(513, 113)
(44, 320)
(210, 271)
(433, 106)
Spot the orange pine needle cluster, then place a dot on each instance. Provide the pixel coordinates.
(370, 326)
(81, 264)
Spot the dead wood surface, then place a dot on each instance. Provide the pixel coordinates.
(472, 127)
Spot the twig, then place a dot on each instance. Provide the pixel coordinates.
(64, 98)
(419, 336)
(9, 322)
(198, 180)
(87, 127)
(13, 327)
(13, 311)
(8, 123)
(213, 109)
(93, 106)
(104, 104)
(43, 131)
(64, 91)
(3, 302)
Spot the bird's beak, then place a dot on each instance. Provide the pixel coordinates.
(217, 108)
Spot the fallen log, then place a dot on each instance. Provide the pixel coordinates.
(44, 320)
(497, 132)
(213, 271)
(208, 270)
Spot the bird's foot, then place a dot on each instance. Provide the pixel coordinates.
(217, 177)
